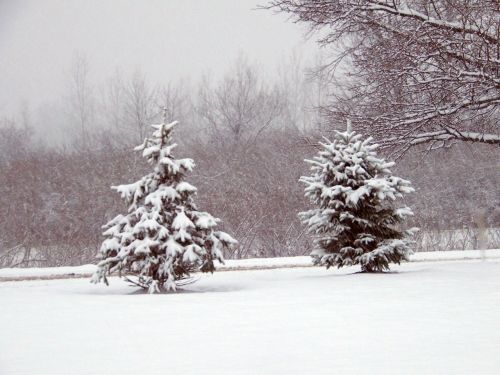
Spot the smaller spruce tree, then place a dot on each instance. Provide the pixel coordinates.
(164, 237)
(355, 221)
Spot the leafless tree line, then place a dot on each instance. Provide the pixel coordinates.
(248, 136)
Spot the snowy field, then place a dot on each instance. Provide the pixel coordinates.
(424, 318)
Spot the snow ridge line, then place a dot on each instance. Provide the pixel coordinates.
(256, 264)
(88, 275)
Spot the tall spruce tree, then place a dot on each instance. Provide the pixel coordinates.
(164, 237)
(355, 220)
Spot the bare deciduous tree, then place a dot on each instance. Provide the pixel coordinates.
(420, 71)
(81, 98)
(302, 93)
(113, 100)
(139, 107)
(241, 107)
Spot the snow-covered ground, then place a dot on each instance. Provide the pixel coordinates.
(245, 264)
(424, 318)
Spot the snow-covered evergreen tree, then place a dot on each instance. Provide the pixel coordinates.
(163, 238)
(355, 220)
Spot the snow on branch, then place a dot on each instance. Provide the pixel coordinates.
(416, 71)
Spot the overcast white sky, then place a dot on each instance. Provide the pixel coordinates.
(165, 39)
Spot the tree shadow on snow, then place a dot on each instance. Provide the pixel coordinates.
(330, 273)
(194, 290)
(123, 288)
(98, 290)
(350, 273)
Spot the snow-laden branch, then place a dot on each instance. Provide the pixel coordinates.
(404, 11)
(414, 67)
(448, 135)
